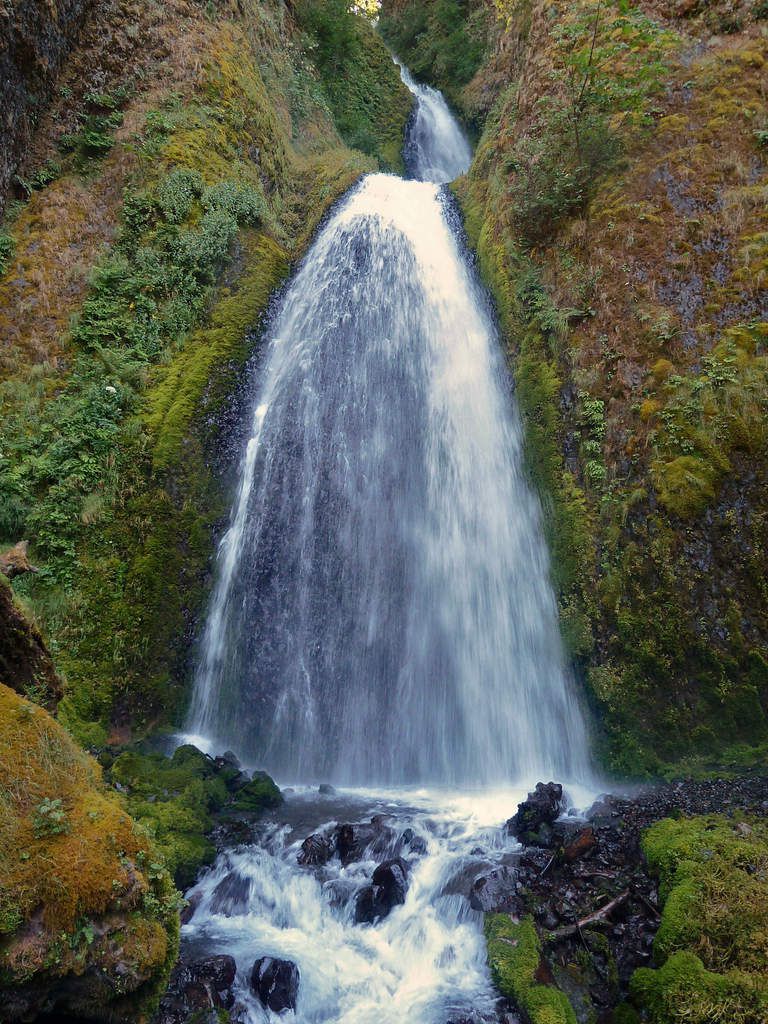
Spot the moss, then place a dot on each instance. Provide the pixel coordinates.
(177, 800)
(177, 395)
(514, 955)
(259, 794)
(95, 871)
(683, 991)
(712, 943)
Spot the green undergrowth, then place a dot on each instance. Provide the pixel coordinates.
(702, 419)
(441, 42)
(369, 105)
(514, 955)
(177, 800)
(712, 945)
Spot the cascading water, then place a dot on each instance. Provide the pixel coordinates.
(383, 612)
(382, 615)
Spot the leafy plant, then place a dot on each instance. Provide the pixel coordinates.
(7, 249)
(50, 819)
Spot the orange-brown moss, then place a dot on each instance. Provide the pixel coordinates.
(81, 892)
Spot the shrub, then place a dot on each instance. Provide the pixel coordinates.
(7, 250)
(177, 192)
(243, 202)
(50, 819)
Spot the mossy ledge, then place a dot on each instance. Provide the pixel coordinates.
(514, 956)
(88, 912)
(712, 944)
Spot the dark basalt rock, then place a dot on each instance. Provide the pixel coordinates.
(536, 815)
(326, 790)
(353, 842)
(231, 895)
(388, 889)
(415, 843)
(495, 892)
(276, 983)
(197, 987)
(316, 850)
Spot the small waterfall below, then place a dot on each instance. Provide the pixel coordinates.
(383, 612)
(382, 617)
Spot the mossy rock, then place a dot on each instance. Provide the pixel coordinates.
(514, 955)
(260, 794)
(88, 913)
(712, 943)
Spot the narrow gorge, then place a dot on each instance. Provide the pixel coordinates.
(383, 621)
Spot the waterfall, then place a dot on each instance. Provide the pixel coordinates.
(383, 612)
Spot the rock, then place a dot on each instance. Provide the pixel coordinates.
(230, 759)
(543, 806)
(259, 794)
(197, 987)
(188, 912)
(14, 562)
(354, 841)
(416, 844)
(388, 889)
(326, 790)
(392, 878)
(276, 983)
(583, 843)
(316, 850)
(26, 665)
(495, 893)
(232, 895)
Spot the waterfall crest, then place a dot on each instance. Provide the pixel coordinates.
(383, 612)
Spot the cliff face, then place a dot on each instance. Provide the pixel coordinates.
(35, 38)
(617, 203)
(183, 165)
(185, 158)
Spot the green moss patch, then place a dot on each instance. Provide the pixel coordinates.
(514, 955)
(712, 945)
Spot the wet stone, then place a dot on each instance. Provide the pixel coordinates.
(231, 896)
(276, 983)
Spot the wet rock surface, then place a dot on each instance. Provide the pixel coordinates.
(276, 983)
(587, 886)
(196, 987)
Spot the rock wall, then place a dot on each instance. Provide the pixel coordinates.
(35, 38)
(616, 202)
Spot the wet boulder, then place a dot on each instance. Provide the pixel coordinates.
(231, 896)
(258, 795)
(536, 815)
(583, 843)
(197, 987)
(316, 850)
(276, 983)
(495, 892)
(352, 841)
(388, 889)
(326, 790)
(415, 843)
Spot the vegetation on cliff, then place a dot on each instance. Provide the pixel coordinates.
(615, 204)
(157, 219)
